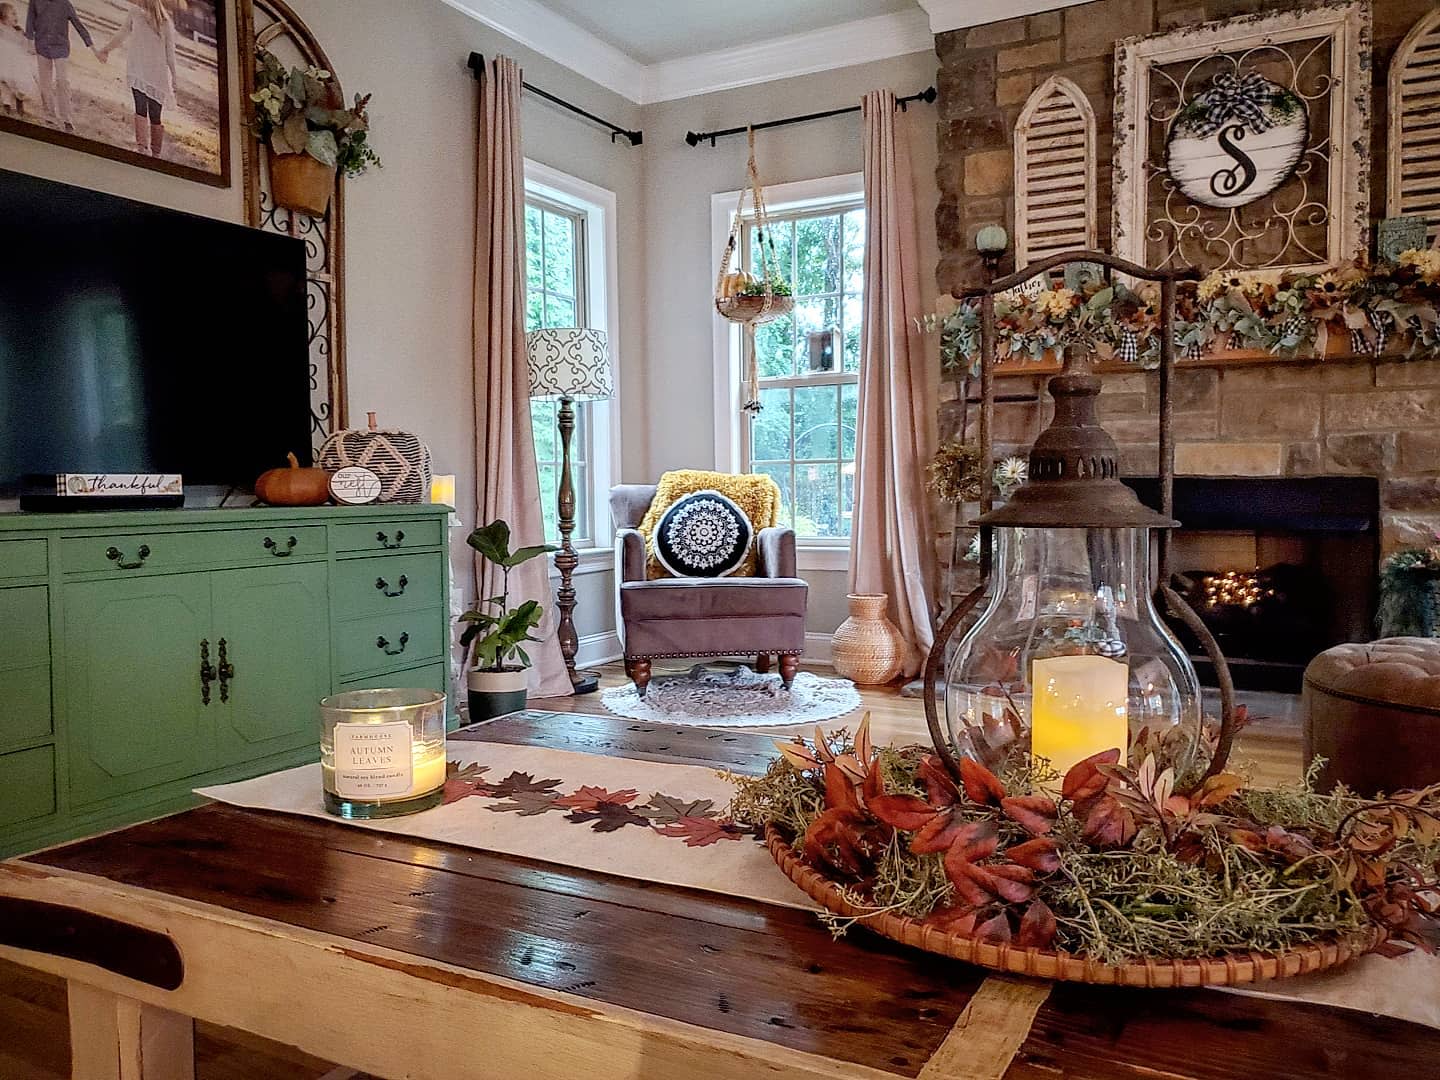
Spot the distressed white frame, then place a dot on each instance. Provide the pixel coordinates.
(1348, 192)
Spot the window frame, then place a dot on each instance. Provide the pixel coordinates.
(805, 198)
(596, 206)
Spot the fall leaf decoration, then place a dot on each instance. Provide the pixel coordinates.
(1116, 866)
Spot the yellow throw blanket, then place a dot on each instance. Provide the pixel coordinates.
(755, 493)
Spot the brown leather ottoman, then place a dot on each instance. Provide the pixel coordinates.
(1373, 711)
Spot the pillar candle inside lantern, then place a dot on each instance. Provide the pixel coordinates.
(1078, 708)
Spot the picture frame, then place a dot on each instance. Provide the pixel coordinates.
(1317, 213)
(104, 95)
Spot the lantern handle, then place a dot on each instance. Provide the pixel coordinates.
(1186, 614)
(932, 671)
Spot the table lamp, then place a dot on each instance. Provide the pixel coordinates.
(569, 364)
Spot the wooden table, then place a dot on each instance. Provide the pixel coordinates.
(413, 959)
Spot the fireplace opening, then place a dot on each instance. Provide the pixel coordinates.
(1279, 569)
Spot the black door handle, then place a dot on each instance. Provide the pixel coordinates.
(279, 552)
(384, 586)
(116, 556)
(384, 539)
(382, 644)
(207, 671)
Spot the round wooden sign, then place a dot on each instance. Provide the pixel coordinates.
(1237, 141)
(355, 485)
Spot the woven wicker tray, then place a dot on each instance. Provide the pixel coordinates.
(1233, 970)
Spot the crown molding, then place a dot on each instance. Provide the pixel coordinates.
(956, 14)
(552, 35)
(861, 41)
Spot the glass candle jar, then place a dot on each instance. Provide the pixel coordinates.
(382, 752)
(1071, 658)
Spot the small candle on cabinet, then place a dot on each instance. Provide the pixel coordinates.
(1078, 708)
(442, 490)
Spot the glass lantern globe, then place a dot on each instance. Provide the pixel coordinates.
(1070, 657)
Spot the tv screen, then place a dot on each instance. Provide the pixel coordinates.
(139, 339)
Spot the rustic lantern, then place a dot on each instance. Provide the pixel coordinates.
(1070, 656)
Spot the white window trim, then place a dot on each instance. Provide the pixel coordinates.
(832, 553)
(597, 205)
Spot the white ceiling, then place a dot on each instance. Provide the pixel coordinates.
(660, 50)
(656, 30)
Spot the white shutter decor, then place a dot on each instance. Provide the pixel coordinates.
(1414, 165)
(1054, 172)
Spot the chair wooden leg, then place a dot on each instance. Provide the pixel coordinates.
(789, 665)
(762, 663)
(640, 675)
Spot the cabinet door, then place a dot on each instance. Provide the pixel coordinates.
(274, 621)
(132, 661)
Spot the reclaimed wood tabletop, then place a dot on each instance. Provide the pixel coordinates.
(417, 959)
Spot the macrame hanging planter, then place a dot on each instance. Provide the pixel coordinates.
(743, 297)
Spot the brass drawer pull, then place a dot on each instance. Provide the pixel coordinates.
(226, 671)
(207, 671)
(279, 552)
(384, 586)
(384, 646)
(116, 556)
(384, 539)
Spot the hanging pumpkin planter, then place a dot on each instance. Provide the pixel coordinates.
(746, 298)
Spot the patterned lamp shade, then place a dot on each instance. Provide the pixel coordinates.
(569, 362)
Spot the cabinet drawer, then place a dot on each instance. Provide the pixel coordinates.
(28, 782)
(385, 584)
(22, 559)
(134, 552)
(389, 535)
(24, 665)
(430, 677)
(389, 642)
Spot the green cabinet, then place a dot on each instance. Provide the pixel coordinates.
(147, 653)
(271, 623)
(132, 683)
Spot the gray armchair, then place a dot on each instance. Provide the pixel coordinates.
(730, 616)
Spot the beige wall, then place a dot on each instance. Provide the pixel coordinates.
(679, 402)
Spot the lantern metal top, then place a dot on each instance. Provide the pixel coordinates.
(1074, 477)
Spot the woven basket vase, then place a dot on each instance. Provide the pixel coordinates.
(1233, 969)
(867, 648)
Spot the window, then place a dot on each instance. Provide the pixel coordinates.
(570, 260)
(555, 296)
(809, 364)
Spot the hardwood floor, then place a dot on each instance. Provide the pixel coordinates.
(35, 1045)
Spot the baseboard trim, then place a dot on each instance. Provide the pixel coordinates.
(818, 649)
(596, 649)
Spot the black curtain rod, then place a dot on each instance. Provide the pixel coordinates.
(477, 67)
(695, 138)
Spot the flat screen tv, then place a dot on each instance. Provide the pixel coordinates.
(139, 339)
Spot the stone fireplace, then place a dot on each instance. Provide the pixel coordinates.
(1269, 565)
(1335, 421)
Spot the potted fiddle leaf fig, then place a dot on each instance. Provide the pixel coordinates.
(497, 632)
(301, 117)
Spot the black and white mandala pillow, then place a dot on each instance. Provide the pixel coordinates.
(703, 534)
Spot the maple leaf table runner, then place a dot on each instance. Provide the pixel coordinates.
(666, 823)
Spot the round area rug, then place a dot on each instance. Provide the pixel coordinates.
(733, 697)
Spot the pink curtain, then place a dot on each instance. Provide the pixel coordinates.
(892, 544)
(506, 482)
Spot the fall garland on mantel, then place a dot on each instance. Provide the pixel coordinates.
(1386, 309)
(1110, 864)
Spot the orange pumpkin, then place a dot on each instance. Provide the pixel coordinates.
(293, 486)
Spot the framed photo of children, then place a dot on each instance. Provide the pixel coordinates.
(141, 81)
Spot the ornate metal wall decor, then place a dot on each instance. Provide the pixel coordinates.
(272, 25)
(1245, 143)
(1413, 187)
